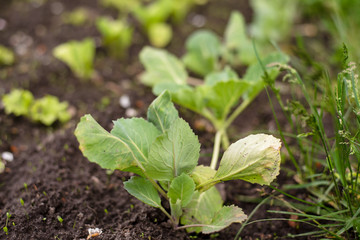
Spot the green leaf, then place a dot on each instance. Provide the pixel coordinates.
(181, 188)
(78, 55)
(143, 190)
(224, 217)
(202, 209)
(116, 35)
(173, 153)
(176, 210)
(255, 71)
(18, 102)
(7, 56)
(222, 96)
(49, 109)
(2, 166)
(126, 148)
(224, 75)
(161, 67)
(255, 159)
(203, 50)
(160, 34)
(162, 112)
(202, 174)
(238, 44)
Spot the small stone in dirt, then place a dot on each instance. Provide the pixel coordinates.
(198, 20)
(94, 232)
(130, 112)
(7, 156)
(124, 101)
(3, 24)
(57, 8)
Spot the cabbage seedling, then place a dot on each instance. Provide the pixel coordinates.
(116, 34)
(163, 151)
(216, 96)
(7, 56)
(78, 55)
(45, 110)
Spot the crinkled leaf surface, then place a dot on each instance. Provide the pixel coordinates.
(125, 147)
(203, 50)
(202, 209)
(173, 153)
(181, 188)
(143, 190)
(162, 112)
(18, 102)
(255, 159)
(161, 67)
(224, 217)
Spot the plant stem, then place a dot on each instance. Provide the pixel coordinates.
(216, 149)
(236, 113)
(153, 182)
(168, 215)
(191, 225)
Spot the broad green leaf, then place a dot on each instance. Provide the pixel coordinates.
(224, 217)
(7, 56)
(184, 95)
(237, 43)
(255, 71)
(78, 55)
(173, 153)
(138, 135)
(203, 50)
(124, 149)
(222, 96)
(18, 102)
(255, 159)
(224, 75)
(143, 190)
(181, 188)
(161, 67)
(160, 34)
(202, 174)
(202, 209)
(162, 112)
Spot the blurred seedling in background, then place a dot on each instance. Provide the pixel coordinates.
(7, 56)
(116, 35)
(46, 110)
(163, 151)
(79, 56)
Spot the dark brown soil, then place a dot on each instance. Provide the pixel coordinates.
(50, 174)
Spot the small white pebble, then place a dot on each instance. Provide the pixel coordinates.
(198, 20)
(3, 24)
(7, 156)
(124, 101)
(57, 8)
(131, 112)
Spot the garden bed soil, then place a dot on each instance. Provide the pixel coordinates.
(49, 173)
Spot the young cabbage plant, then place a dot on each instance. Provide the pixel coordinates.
(153, 18)
(117, 35)
(216, 96)
(45, 110)
(7, 56)
(163, 151)
(78, 55)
